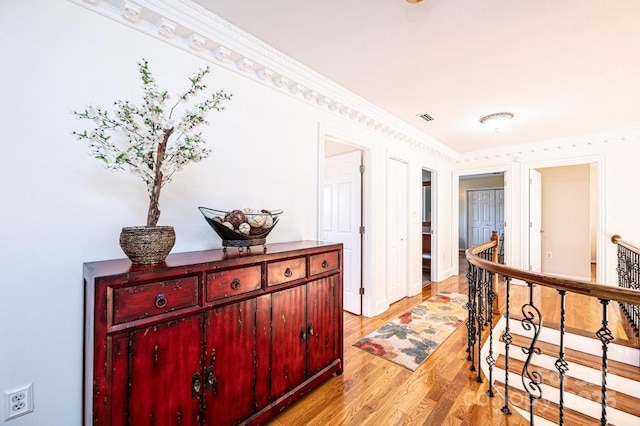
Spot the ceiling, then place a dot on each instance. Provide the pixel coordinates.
(564, 68)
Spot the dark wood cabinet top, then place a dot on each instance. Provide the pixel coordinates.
(205, 257)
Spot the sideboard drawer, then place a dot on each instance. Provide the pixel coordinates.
(145, 300)
(221, 284)
(286, 271)
(324, 262)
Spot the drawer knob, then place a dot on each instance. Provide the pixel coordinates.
(235, 284)
(288, 273)
(325, 264)
(161, 301)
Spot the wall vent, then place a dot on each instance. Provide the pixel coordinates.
(425, 117)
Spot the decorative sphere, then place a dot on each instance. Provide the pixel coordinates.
(235, 217)
(244, 228)
(256, 219)
(218, 219)
(268, 219)
(228, 225)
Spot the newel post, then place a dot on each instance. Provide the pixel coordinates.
(494, 259)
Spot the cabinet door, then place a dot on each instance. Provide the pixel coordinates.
(164, 374)
(288, 340)
(229, 363)
(322, 322)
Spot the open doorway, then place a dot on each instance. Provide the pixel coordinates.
(427, 226)
(342, 214)
(566, 204)
(481, 208)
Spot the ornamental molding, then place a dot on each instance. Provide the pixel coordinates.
(190, 27)
(559, 146)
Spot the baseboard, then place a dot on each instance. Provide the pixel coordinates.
(443, 275)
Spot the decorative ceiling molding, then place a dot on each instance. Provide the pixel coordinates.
(188, 26)
(518, 153)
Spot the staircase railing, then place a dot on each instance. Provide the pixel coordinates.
(483, 276)
(629, 277)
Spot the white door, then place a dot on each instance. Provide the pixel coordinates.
(535, 221)
(482, 216)
(342, 220)
(396, 230)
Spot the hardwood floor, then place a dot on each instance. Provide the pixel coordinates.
(373, 391)
(442, 391)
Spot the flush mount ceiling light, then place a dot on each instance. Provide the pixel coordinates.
(413, 1)
(497, 120)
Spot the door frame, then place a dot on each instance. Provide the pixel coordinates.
(324, 134)
(600, 163)
(434, 225)
(466, 214)
(455, 210)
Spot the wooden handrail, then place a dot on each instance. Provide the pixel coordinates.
(617, 239)
(587, 288)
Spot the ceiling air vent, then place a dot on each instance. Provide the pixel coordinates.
(425, 117)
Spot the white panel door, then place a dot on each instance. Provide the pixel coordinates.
(342, 219)
(482, 216)
(396, 230)
(535, 221)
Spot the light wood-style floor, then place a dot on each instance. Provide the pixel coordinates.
(442, 391)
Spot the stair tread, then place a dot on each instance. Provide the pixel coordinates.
(583, 358)
(615, 399)
(546, 409)
(631, 342)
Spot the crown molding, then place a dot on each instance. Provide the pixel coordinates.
(518, 153)
(188, 26)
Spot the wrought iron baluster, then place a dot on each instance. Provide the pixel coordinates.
(507, 339)
(561, 363)
(480, 320)
(472, 275)
(604, 334)
(629, 277)
(490, 359)
(531, 380)
(634, 310)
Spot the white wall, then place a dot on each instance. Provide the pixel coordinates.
(566, 221)
(61, 208)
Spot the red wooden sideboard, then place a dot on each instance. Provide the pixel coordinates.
(211, 337)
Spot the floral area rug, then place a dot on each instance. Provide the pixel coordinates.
(409, 339)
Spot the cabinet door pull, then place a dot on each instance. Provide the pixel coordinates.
(325, 264)
(212, 381)
(195, 386)
(235, 284)
(288, 273)
(303, 335)
(161, 301)
(310, 329)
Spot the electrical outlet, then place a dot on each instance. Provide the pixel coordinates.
(549, 256)
(18, 402)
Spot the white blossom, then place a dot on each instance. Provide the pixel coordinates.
(129, 138)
